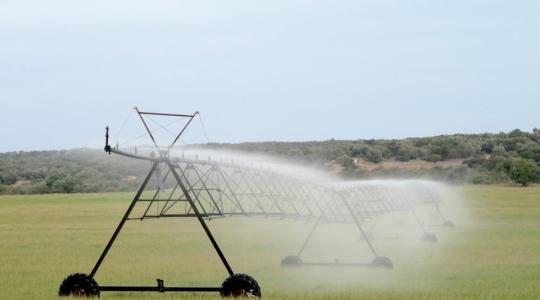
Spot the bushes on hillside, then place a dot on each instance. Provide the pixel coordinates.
(71, 171)
(487, 158)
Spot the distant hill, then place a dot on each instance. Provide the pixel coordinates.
(460, 158)
(68, 171)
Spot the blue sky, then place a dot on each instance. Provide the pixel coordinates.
(268, 70)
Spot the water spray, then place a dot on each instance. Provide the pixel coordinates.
(206, 189)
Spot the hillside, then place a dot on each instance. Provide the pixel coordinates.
(460, 158)
(67, 171)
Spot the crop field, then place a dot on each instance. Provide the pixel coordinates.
(492, 253)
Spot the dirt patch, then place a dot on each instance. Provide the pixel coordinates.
(21, 183)
(130, 178)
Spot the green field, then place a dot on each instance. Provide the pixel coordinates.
(493, 253)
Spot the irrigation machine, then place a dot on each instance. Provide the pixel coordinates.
(208, 189)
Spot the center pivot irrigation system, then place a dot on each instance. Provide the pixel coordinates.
(207, 189)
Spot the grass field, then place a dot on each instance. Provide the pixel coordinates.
(493, 253)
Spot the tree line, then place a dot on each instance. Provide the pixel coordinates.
(482, 159)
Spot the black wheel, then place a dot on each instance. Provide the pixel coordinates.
(240, 285)
(79, 285)
(291, 260)
(429, 237)
(382, 262)
(448, 223)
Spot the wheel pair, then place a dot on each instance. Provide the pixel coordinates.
(82, 285)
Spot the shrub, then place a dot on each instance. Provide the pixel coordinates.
(373, 155)
(406, 152)
(523, 171)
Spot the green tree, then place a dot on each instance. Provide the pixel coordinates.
(374, 155)
(487, 147)
(406, 152)
(523, 171)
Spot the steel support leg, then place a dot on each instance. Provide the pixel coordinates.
(306, 241)
(358, 224)
(201, 220)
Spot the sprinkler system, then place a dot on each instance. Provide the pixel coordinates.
(208, 189)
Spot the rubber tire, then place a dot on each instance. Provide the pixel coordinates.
(79, 285)
(382, 262)
(429, 237)
(448, 224)
(240, 285)
(291, 261)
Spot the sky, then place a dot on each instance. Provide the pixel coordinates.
(267, 70)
